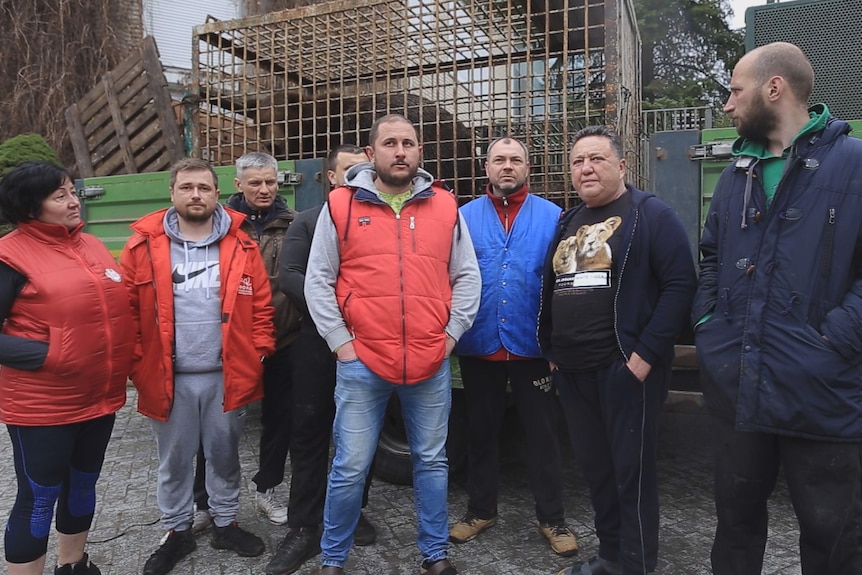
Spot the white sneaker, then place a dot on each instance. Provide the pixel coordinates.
(267, 504)
(202, 520)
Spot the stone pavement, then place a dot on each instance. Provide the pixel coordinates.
(126, 528)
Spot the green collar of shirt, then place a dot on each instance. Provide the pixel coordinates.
(396, 201)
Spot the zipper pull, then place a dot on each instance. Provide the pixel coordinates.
(506, 214)
(831, 216)
(412, 222)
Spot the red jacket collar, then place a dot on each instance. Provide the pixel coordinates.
(514, 199)
(52, 233)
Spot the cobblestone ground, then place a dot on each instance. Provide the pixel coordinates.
(126, 527)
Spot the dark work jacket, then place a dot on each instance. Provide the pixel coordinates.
(268, 229)
(655, 283)
(294, 261)
(780, 352)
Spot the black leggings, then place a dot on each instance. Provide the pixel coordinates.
(55, 462)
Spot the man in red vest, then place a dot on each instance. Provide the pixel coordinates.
(392, 283)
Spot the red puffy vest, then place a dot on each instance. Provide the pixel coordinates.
(75, 300)
(393, 286)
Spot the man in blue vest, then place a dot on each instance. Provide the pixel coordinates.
(511, 231)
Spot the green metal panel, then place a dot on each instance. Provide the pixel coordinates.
(128, 197)
(710, 170)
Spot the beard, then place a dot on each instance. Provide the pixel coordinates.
(508, 189)
(196, 216)
(758, 123)
(387, 177)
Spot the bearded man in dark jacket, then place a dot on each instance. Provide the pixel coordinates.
(778, 319)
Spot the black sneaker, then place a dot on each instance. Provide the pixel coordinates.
(82, 567)
(439, 567)
(238, 540)
(365, 533)
(177, 545)
(297, 547)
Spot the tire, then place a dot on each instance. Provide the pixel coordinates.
(392, 461)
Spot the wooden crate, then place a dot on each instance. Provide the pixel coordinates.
(126, 124)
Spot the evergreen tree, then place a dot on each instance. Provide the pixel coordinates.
(25, 148)
(19, 149)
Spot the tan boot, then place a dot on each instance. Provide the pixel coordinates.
(561, 538)
(469, 528)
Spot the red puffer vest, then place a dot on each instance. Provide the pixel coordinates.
(75, 300)
(393, 286)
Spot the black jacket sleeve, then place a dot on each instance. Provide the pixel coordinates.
(17, 352)
(548, 278)
(294, 257)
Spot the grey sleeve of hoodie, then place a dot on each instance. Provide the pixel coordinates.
(466, 281)
(324, 261)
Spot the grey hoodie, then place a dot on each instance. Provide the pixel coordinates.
(325, 258)
(196, 279)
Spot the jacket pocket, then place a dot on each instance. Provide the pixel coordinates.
(719, 347)
(57, 361)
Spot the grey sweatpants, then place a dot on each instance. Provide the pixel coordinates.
(197, 417)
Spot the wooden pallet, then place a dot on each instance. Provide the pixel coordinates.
(126, 124)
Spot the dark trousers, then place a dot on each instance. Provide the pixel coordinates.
(535, 398)
(54, 464)
(276, 410)
(824, 481)
(313, 375)
(613, 424)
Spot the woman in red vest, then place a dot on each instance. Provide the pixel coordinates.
(66, 347)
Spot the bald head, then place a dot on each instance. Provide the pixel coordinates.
(785, 60)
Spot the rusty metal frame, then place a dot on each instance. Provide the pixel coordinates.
(301, 81)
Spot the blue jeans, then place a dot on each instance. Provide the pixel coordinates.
(360, 404)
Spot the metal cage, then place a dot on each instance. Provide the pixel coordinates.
(298, 82)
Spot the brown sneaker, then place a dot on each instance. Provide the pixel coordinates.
(561, 538)
(469, 528)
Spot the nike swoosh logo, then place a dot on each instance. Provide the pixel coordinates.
(178, 278)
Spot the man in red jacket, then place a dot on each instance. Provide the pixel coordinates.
(201, 304)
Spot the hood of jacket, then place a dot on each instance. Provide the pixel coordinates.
(819, 115)
(362, 176)
(221, 225)
(153, 224)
